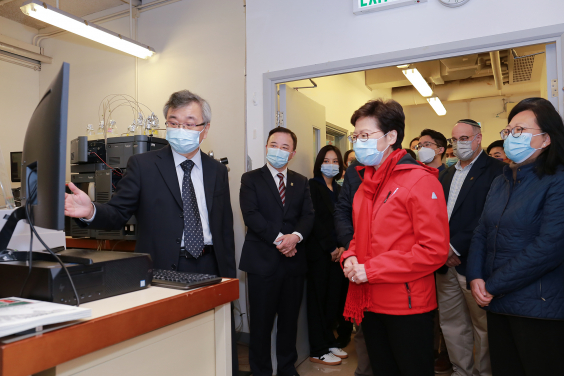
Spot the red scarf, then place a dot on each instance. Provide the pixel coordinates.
(358, 297)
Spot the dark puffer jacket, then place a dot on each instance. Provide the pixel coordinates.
(518, 247)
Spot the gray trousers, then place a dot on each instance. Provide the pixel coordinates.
(464, 326)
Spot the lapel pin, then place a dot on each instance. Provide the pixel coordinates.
(472, 178)
(292, 184)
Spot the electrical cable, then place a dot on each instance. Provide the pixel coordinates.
(114, 247)
(29, 259)
(32, 227)
(111, 168)
(247, 304)
(237, 312)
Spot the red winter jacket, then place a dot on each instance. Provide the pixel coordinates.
(410, 239)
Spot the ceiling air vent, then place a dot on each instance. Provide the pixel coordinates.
(522, 69)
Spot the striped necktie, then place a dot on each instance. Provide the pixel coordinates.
(282, 188)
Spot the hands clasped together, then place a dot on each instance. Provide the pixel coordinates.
(287, 244)
(354, 271)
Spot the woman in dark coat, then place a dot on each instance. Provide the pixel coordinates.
(325, 281)
(515, 264)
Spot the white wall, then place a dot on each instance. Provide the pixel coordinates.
(482, 110)
(295, 33)
(19, 94)
(199, 47)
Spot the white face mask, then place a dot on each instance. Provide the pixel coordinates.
(426, 155)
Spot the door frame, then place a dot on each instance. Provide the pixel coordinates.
(546, 34)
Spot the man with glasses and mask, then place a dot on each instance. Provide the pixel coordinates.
(431, 148)
(466, 185)
(179, 195)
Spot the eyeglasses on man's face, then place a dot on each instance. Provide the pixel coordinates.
(426, 144)
(175, 125)
(455, 140)
(515, 132)
(363, 137)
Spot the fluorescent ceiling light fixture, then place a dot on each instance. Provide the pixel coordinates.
(56, 17)
(418, 82)
(437, 105)
(405, 66)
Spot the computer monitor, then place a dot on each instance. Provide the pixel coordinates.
(44, 155)
(16, 166)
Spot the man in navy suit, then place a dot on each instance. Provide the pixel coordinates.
(278, 213)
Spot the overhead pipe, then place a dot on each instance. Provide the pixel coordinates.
(496, 67)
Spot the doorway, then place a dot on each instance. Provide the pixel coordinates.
(483, 86)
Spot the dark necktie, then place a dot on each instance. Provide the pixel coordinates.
(282, 188)
(193, 233)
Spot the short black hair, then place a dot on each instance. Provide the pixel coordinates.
(347, 153)
(411, 152)
(550, 122)
(411, 142)
(283, 130)
(321, 157)
(438, 137)
(388, 114)
(495, 144)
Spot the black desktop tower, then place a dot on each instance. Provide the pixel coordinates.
(96, 275)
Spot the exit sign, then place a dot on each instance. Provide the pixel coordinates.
(365, 6)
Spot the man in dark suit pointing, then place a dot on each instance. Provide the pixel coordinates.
(179, 195)
(278, 213)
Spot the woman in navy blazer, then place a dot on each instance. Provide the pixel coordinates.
(516, 259)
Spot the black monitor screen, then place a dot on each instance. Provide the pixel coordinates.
(44, 156)
(16, 166)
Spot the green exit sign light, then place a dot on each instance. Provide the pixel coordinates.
(366, 6)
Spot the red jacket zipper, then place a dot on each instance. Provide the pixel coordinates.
(408, 294)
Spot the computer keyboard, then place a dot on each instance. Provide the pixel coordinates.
(182, 280)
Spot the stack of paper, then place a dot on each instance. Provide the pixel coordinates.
(18, 315)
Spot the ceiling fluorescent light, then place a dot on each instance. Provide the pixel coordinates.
(437, 105)
(405, 66)
(418, 82)
(48, 14)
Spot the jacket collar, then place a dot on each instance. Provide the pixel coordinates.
(478, 167)
(209, 168)
(165, 164)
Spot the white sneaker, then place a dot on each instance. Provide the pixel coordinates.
(339, 352)
(327, 359)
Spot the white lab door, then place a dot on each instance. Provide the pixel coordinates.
(302, 115)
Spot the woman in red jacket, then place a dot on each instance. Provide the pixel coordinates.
(401, 237)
